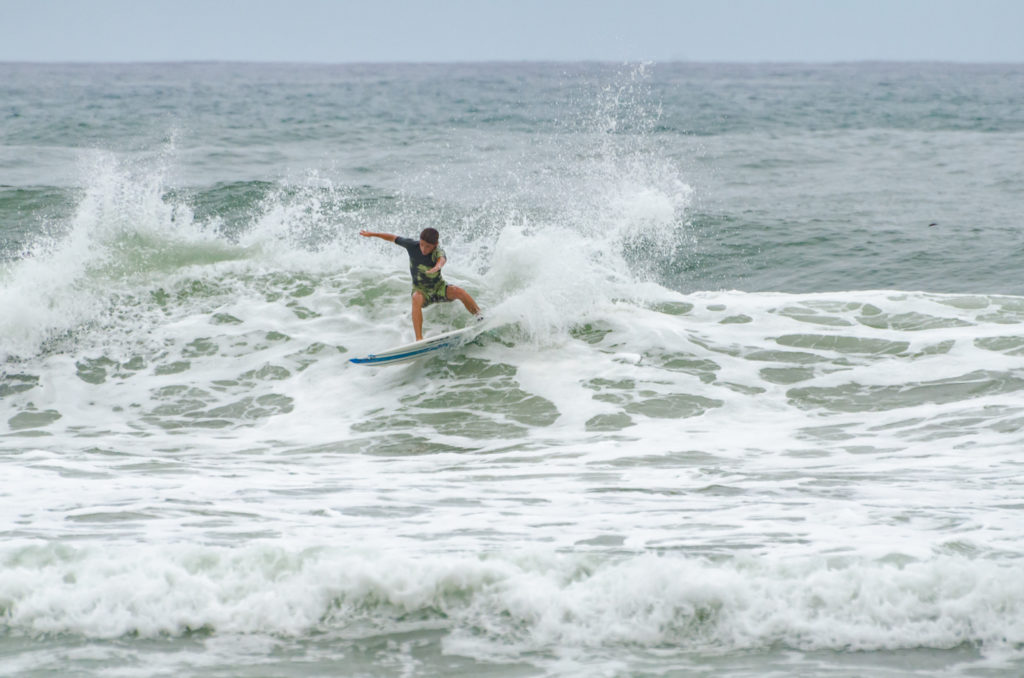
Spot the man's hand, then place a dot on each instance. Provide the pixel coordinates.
(437, 267)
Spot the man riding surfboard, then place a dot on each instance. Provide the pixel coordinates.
(426, 260)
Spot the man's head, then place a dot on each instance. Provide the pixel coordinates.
(428, 240)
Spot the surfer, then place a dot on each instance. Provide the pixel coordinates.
(428, 287)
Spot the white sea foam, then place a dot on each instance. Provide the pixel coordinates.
(620, 478)
(504, 605)
(216, 450)
(122, 229)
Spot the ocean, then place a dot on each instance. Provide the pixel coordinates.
(751, 403)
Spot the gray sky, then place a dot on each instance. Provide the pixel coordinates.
(511, 30)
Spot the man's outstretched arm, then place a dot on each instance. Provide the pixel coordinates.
(390, 237)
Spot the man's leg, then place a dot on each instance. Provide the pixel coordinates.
(417, 314)
(462, 295)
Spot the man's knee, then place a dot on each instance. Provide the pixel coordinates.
(417, 299)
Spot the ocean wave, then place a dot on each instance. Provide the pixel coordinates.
(514, 603)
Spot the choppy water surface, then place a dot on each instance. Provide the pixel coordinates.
(753, 404)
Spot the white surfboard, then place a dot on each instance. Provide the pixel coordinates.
(422, 348)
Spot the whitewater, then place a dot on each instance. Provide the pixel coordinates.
(752, 403)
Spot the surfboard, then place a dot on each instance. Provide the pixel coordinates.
(422, 348)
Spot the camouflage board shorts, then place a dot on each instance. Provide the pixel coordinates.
(434, 294)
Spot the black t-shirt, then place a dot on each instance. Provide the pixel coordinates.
(420, 263)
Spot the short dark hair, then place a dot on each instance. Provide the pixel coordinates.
(430, 235)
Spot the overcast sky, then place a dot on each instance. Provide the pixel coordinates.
(335, 31)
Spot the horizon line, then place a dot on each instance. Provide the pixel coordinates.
(456, 62)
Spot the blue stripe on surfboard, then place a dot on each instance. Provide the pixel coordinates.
(372, 359)
(451, 339)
